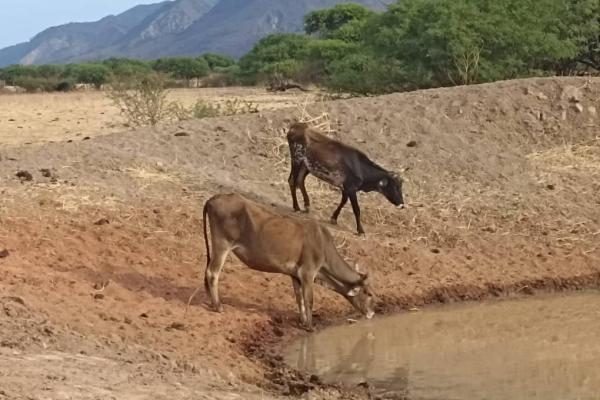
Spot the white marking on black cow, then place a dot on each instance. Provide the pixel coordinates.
(335, 178)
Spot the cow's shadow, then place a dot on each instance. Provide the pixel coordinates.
(166, 289)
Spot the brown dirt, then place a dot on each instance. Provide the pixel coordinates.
(104, 245)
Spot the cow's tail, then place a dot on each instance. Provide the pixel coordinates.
(204, 225)
(205, 231)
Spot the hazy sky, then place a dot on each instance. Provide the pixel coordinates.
(22, 19)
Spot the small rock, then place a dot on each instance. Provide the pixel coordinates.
(14, 299)
(592, 110)
(143, 315)
(177, 325)
(571, 94)
(24, 176)
(277, 331)
(127, 320)
(550, 186)
(179, 134)
(46, 173)
(4, 253)
(435, 251)
(98, 296)
(578, 107)
(101, 285)
(299, 388)
(86, 138)
(527, 290)
(412, 143)
(102, 221)
(541, 96)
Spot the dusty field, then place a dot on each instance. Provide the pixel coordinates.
(43, 117)
(503, 195)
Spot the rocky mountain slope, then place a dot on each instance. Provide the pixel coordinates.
(181, 27)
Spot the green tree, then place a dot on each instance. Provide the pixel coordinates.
(92, 73)
(445, 42)
(12, 73)
(217, 60)
(50, 71)
(125, 68)
(182, 67)
(325, 23)
(319, 55)
(277, 53)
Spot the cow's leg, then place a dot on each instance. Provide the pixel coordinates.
(302, 174)
(293, 182)
(356, 209)
(307, 280)
(299, 299)
(337, 211)
(213, 269)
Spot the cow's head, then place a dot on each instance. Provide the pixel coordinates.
(362, 297)
(391, 187)
(298, 127)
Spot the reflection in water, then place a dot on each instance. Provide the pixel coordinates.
(539, 348)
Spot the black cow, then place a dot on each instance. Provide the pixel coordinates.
(340, 165)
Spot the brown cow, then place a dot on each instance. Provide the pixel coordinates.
(270, 242)
(340, 165)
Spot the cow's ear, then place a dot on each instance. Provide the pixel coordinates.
(354, 291)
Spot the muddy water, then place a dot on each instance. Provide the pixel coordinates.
(538, 348)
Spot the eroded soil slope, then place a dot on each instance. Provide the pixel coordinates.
(104, 245)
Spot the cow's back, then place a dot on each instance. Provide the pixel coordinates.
(260, 237)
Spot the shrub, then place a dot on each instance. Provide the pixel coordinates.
(36, 84)
(64, 86)
(143, 102)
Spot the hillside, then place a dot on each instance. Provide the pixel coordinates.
(181, 27)
(104, 245)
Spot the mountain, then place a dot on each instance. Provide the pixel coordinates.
(58, 44)
(232, 27)
(170, 28)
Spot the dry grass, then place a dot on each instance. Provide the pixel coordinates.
(44, 117)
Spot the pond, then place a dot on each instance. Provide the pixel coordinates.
(545, 347)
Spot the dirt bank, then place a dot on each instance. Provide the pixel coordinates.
(104, 245)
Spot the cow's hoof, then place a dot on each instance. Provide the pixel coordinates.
(333, 221)
(306, 210)
(219, 309)
(361, 234)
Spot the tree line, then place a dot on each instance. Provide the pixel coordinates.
(414, 44)
(58, 77)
